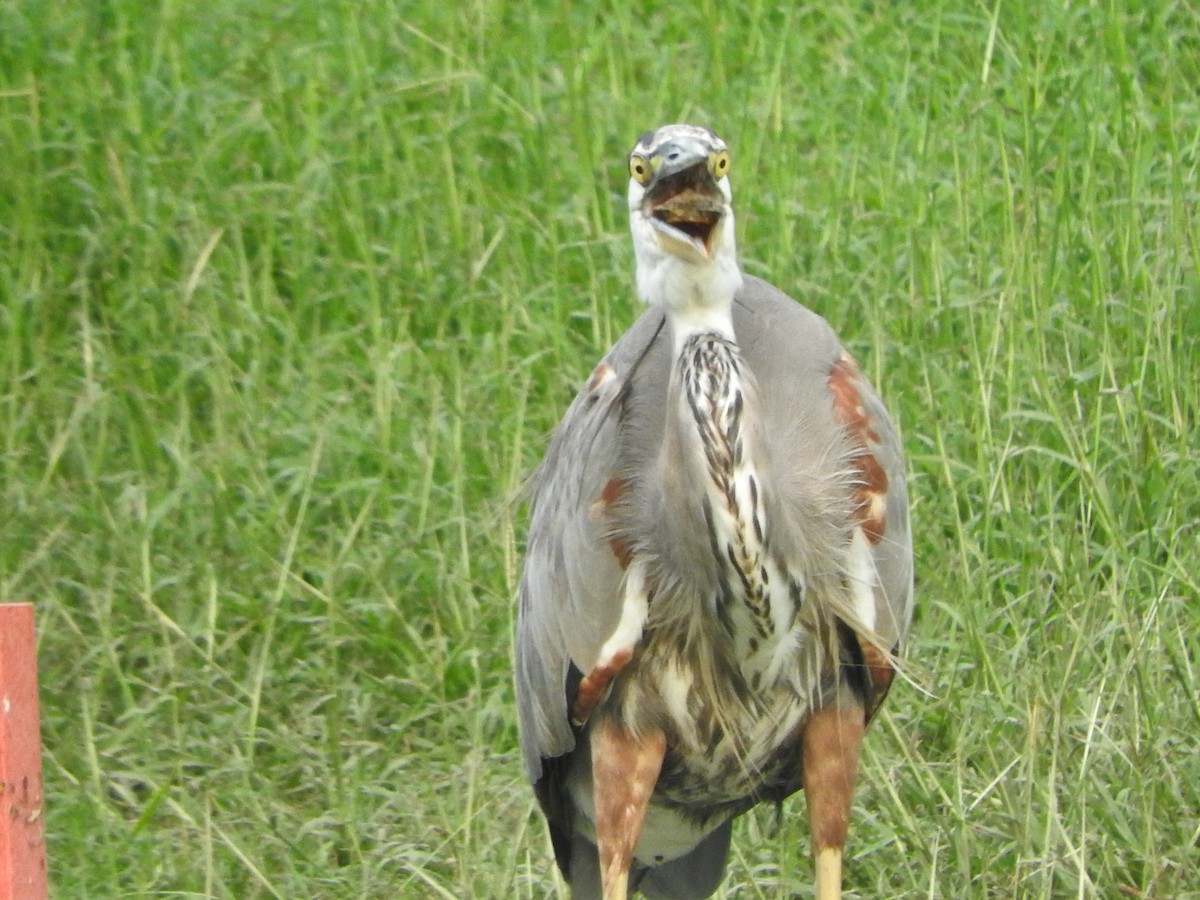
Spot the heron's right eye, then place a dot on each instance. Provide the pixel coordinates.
(639, 169)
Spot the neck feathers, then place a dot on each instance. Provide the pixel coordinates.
(697, 295)
(757, 597)
(696, 298)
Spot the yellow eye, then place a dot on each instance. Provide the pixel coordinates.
(639, 169)
(721, 164)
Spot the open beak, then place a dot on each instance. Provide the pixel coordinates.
(684, 203)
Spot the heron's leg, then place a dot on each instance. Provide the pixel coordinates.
(832, 740)
(625, 768)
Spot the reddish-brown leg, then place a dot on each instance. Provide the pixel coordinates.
(625, 768)
(832, 741)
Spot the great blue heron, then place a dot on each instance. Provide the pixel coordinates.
(718, 577)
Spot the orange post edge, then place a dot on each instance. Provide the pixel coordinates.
(22, 835)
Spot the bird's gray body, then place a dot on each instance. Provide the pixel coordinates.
(616, 501)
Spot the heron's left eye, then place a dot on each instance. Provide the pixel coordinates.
(639, 169)
(721, 164)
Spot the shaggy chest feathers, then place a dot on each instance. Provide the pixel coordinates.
(729, 674)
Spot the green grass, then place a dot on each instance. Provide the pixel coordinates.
(291, 296)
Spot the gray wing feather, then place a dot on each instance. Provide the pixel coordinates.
(569, 598)
(893, 555)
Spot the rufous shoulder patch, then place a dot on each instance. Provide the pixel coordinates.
(871, 484)
(602, 511)
(601, 376)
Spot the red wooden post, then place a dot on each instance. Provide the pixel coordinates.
(22, 841)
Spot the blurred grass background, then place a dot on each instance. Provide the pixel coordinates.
(292, 294)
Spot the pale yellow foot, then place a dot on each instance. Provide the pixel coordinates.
(829, 873)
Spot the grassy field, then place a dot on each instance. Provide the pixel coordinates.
(291, 296)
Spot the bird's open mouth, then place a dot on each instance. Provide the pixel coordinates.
(689, 204)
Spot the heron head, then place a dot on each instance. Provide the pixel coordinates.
(681, 216)
(679, 196)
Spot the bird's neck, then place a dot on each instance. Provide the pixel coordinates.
(697, 322)
(696, 297)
